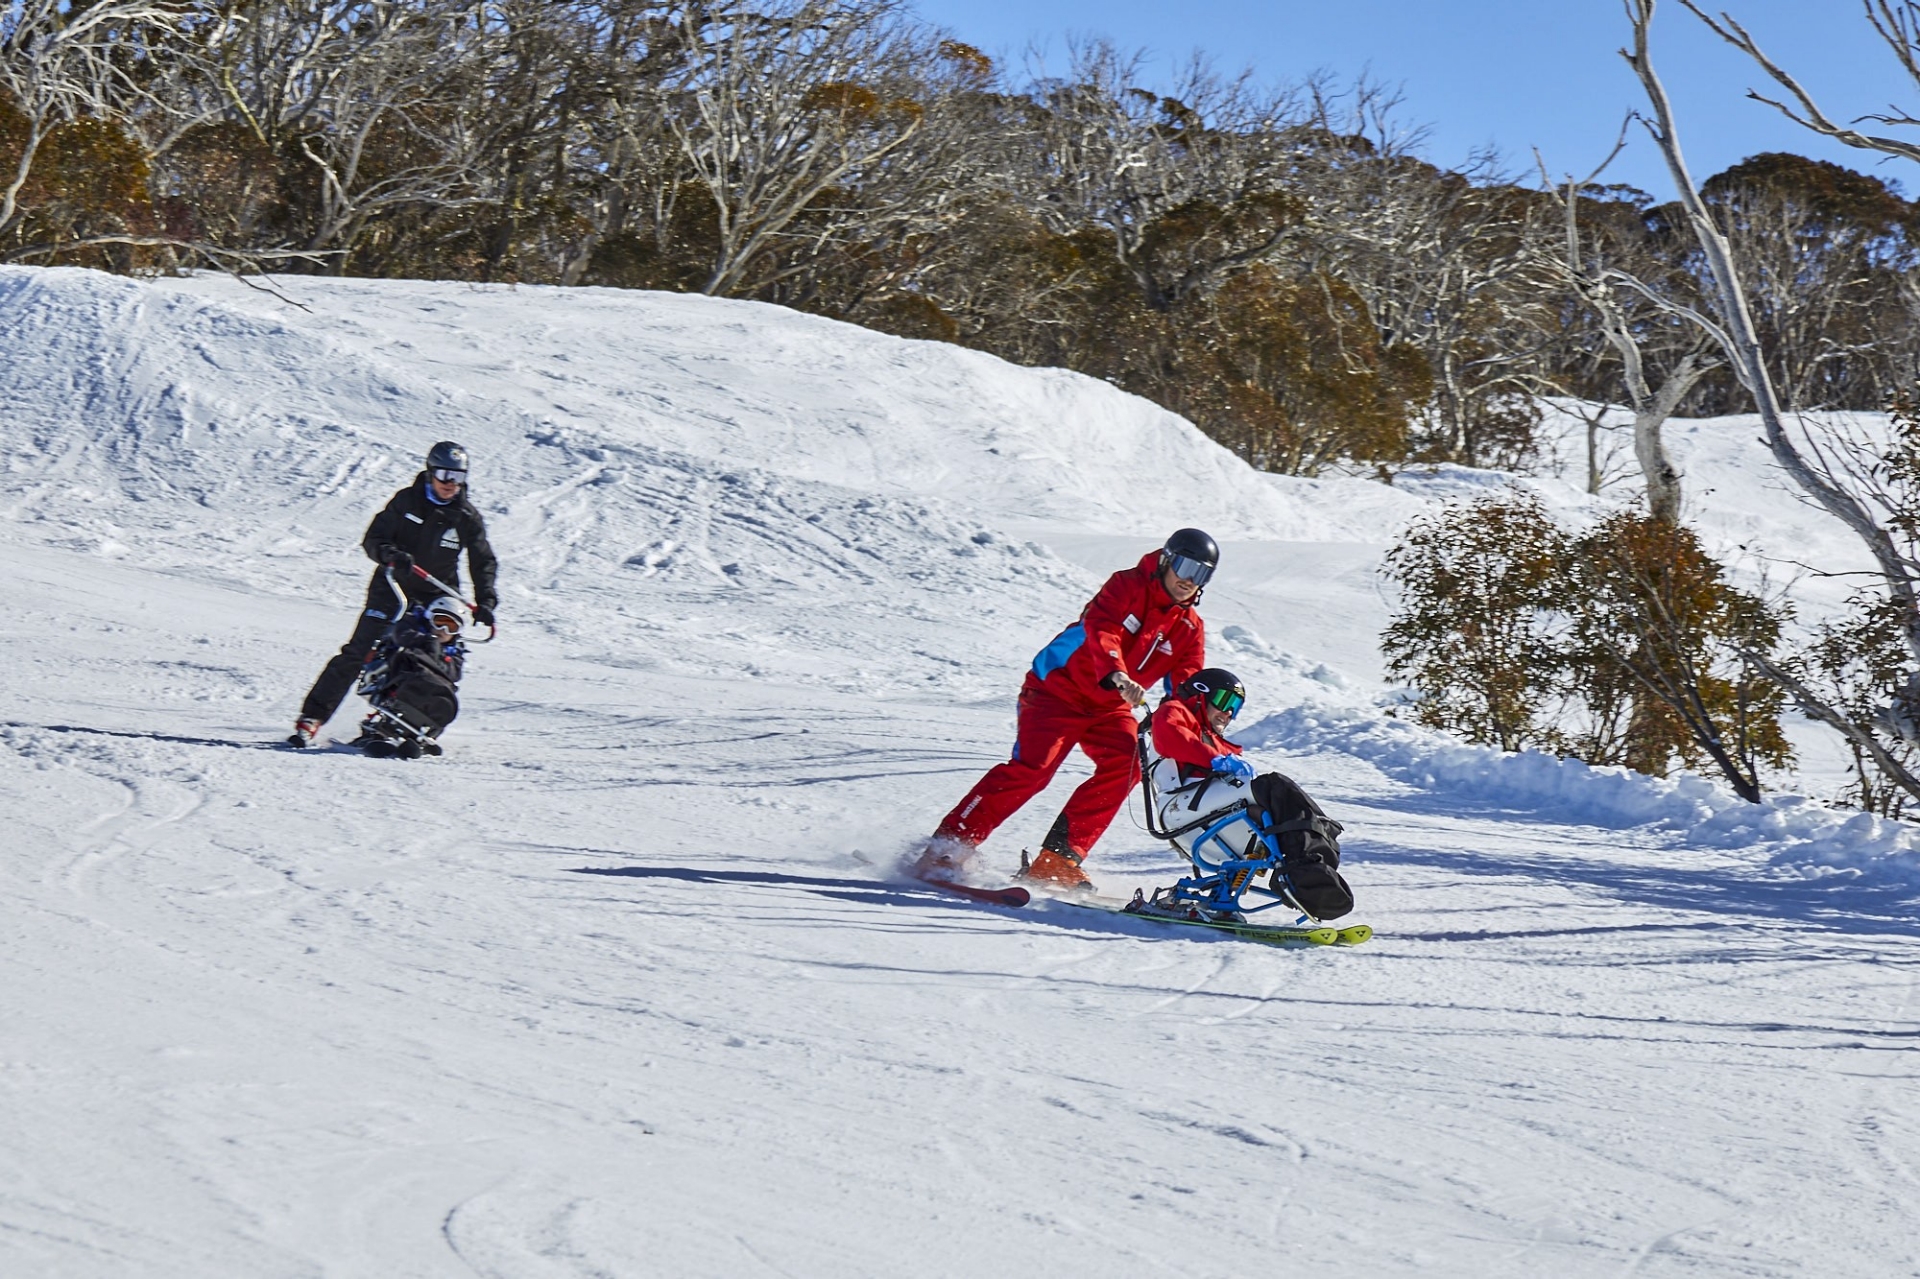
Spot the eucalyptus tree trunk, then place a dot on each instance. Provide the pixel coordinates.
(1736, 335)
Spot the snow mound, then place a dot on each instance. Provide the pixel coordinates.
(143, 377)
(1797, 835)
(639, 456)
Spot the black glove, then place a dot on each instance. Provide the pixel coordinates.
(398, 560)
(483, 614)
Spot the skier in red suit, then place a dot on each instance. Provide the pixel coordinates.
(1141, 628)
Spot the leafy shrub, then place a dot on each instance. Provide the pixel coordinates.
(1625, 645)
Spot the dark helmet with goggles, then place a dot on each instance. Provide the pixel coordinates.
(1217, 687)
(1191, 554)
(447, 462)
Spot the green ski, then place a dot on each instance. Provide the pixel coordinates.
(1304, 934)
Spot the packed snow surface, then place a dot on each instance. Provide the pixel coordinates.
(628, 983)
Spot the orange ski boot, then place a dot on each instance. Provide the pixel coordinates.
(1056, 870)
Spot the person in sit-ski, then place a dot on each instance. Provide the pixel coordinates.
(1199, 774)
(415, 671)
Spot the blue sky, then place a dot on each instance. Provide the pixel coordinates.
(1515, 74)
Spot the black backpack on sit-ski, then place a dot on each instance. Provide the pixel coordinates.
(419, 692)
(1309, 841)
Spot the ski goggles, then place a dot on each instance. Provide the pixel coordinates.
(1188, 569)
(449, 477)
(1229, 700)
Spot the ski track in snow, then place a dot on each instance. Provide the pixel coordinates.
(625, 984)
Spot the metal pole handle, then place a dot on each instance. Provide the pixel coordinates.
(444, 589)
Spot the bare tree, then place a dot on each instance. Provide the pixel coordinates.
(361, 101)
(792, 103)
(1822, 251)
(626, 166)
(1454, 266)
(1898, 26)
(519, 114)
(1612, 293)
(64, 66)
(1188, 188)
(1824, 480)
(871, 248)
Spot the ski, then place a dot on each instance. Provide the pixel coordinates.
(1268, 934)
(1011, 896)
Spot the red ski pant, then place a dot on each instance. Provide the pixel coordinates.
(1048, 729)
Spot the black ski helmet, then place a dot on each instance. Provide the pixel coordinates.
(447, 456)
(1192, 555)
(1192, 543)
(1218, 687)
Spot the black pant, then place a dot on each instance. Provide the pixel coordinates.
(337, 676)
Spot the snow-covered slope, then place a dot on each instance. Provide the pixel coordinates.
(626, 984)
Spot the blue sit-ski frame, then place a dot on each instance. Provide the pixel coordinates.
(1217, 887)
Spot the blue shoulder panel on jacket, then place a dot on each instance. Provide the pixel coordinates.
(1055, 655)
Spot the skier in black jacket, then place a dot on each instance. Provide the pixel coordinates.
(427, 523)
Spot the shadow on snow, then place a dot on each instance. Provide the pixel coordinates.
(869, 892)
(893, 893)
(1838, 903)
(132, 735)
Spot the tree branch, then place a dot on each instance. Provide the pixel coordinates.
(1810, 116)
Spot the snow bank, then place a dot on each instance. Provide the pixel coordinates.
(639, 456)
(155, 366)
(1796, 834)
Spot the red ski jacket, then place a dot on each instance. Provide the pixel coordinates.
(1181, 735)
(1132, 627)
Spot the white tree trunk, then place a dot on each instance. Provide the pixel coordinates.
(1743, 344)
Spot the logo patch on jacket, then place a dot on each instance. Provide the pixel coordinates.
(451, 538)
(1132, 624)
